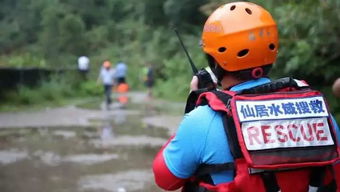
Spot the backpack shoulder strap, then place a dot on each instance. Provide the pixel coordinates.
(230, 130)
(276, 85)
(214, 98)
(220, 101)
(217, 100)
(192, 99)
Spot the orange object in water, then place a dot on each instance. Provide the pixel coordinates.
(123, 99)
(122, 89)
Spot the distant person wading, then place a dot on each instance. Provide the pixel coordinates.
(120, 73)
(121, 84)
(106, 76)
(148, 77)
(83, 66)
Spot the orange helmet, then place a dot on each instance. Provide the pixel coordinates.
(240, 35)
(107, 64)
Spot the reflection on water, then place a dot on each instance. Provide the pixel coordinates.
(114, 155)
(136, 179)
(106, 133)
(119, 118)
(11, 156)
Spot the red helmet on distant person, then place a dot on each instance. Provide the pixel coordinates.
(240, 35)
(107, 64)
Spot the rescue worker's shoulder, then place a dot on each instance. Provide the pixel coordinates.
(201, 113)
(200, 118)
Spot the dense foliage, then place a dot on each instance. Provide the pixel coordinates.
(53, 33)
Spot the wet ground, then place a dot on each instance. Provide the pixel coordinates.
(106, 151)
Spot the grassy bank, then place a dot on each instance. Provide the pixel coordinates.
(56, 91)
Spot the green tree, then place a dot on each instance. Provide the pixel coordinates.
(50, 33)
(71, 39)
(19, 22)
(185, 13)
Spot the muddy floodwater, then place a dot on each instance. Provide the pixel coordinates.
(113, 152)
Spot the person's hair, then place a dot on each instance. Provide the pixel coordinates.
(243, 75)
(249, 74)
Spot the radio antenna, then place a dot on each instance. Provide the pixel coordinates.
(193, 67)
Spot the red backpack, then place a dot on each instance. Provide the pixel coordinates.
(281, 137)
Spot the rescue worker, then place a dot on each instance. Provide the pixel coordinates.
(148, 78)
(240, 40)
(120, 74)
(83, 66)
(122, 86)
(106, 76)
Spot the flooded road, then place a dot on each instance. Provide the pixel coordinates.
(113, 152)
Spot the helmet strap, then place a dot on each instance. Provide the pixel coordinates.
(247, 74)
(218, 71)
